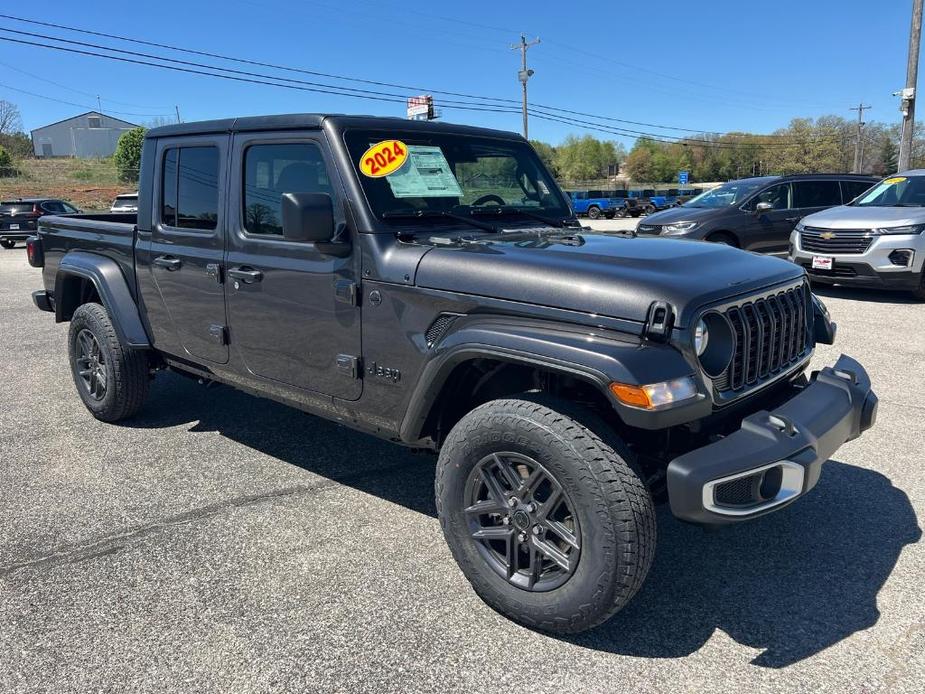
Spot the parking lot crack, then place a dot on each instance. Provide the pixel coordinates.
(113, 543)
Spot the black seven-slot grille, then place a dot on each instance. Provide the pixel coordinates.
(770, 336)
(835, 241)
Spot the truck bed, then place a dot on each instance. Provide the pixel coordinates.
(108, 234)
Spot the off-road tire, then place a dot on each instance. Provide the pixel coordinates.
(7, 243)
(127, 376)
(616, 511)
(651, 209)
(594, 212)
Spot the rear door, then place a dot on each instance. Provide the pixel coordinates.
(814, 196)
(188, 243)
(295, 319)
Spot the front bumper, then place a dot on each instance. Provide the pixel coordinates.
(872, 268)
(775, 457)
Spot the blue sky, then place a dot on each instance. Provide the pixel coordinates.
(712, 65)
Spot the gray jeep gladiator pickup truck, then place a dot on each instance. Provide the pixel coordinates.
(429, 284)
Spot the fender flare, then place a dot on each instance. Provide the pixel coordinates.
(591, 355)
(114, 292)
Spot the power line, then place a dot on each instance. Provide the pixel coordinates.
(257, 63)
(303, 85)
(71, 103)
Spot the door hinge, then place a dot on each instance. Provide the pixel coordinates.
(346, 291)
(348, 365)
(218, 334)
(214, 270)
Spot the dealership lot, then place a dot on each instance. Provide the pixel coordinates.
(219, 542)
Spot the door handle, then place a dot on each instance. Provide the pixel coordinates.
(165, 261)
(246, 275)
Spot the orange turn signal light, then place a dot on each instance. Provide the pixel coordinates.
(631, 395)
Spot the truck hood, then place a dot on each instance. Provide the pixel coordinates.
(853, 217)
(603, 275)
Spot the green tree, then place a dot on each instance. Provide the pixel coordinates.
(586, 158)
(6, 164)
(128, 154)
(547, 154)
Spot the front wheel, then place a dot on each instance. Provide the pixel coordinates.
(111, 379)
(552, 525)
(594, 212)
(920, 292)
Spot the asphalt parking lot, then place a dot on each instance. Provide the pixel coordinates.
(219, 542)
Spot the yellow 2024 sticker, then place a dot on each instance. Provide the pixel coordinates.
(384, 158)
(895, 179)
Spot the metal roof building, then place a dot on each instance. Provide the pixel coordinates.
(90, 134)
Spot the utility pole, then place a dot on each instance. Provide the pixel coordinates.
(859, 145)
(524, 73)
(907, 105)
(178, 114)
(99, 104)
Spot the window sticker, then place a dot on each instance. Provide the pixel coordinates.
(426, 175)
(383, 158)
(894, 180)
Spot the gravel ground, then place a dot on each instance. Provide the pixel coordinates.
(223, 543)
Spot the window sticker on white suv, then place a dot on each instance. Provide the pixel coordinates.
(427, 174)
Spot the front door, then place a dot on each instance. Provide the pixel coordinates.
(769, 231)
(292, 315)
(187, 245)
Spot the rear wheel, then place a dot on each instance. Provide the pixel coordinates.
(111, 379)
(552, 526)
(7, 243)
(650, 209)
(594, 212)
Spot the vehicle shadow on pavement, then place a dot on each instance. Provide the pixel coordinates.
(792, 583)
(881, 296)
(314, 444)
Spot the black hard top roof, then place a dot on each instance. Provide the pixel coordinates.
(310, 121)
(758, 180)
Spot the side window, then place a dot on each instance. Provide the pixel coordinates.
(53, 207)
(816, 194)
(69, 209)
(852, 189)
(169, 188)
(189, 188)
(273, 169)
(778, 196)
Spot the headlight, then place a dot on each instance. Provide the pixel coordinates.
(799, 227)
(655, 395)
(716, 351)
(908, 229)
(701, 337)
(678, 227)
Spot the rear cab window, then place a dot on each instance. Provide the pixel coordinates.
(189, 187)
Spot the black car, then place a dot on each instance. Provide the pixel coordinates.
(18, 218)
(756, 214)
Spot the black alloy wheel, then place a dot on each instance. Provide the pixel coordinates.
(522, 521)
(90, 365)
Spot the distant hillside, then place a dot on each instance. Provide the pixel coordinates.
(90, 184)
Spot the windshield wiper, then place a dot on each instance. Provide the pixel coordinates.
(506, 209)
(424, 214)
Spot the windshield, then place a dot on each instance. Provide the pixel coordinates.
(444, 173)
(126, 201)
(732, 193)
(896, 191)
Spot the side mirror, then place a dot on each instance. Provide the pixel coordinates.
(308, 217)
(763, 207)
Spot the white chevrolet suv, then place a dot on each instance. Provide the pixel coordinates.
(876, 240)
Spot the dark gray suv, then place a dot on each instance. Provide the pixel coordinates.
(756, 214)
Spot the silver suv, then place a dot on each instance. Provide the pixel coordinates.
(876, 240)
